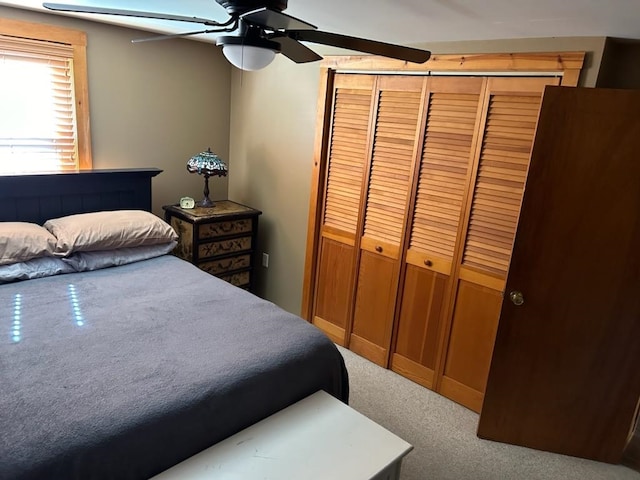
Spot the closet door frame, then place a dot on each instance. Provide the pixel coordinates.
(567, 65)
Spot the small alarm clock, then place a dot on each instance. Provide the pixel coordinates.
(187, 202)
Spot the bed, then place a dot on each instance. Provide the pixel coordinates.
(122, 372)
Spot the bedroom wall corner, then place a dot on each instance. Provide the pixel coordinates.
(152, 104)
(273, 118)
(620, 64)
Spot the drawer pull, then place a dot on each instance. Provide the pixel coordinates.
(428, 263)
(378, 249)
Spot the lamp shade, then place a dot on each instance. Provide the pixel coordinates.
(207, 164)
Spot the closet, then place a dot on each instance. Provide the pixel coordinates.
(418, 181)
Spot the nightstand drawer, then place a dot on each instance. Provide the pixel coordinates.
(238, 279)
(224, 247)
(215, 267)
(222, 229)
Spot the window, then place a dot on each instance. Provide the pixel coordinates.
(44, 114)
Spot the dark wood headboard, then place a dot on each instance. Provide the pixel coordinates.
(40, 197)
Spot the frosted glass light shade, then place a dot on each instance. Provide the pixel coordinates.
(248, 57)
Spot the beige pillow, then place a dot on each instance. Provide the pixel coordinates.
(88, 232)
(21, 241)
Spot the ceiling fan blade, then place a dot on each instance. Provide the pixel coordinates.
(274, 20)
(294, 50)
(178, 35)
(408, 54)
(61, 7)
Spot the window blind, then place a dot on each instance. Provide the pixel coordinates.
(38, 130)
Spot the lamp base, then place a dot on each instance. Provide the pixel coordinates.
(205, 203)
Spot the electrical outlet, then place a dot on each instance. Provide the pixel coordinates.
(265, 260)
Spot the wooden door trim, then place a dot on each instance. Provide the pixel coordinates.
(314, 223)
(567, 64)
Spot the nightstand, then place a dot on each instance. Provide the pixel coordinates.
(220, 240)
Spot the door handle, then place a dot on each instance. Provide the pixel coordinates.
(516, 298)
(379, 249)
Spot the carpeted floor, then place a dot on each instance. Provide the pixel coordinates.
(443, 434)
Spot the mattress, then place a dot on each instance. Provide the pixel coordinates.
(123, 372)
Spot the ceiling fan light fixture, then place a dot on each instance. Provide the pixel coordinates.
(248, 53)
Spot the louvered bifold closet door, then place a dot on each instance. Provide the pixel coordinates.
(390, 177)
(512, 106)
(452, 125)
(348, 151)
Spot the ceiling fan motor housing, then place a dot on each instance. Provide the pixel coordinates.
(238, 7)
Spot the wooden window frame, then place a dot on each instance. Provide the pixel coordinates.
(565, 64)
(78, 41)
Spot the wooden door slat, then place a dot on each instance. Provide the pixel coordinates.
(502, 170)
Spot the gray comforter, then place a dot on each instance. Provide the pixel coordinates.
(123, 372)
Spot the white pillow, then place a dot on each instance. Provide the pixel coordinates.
(96, 231)
(22, 241)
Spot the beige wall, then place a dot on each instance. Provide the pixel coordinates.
(152, 104)
(272, 134)
(273, 118)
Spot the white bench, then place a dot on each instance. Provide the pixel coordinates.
(317, 438)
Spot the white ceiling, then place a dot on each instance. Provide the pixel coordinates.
(406, 21)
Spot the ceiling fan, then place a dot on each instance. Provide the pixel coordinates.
(261, 32)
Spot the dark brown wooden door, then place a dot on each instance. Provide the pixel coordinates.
(565, 372)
